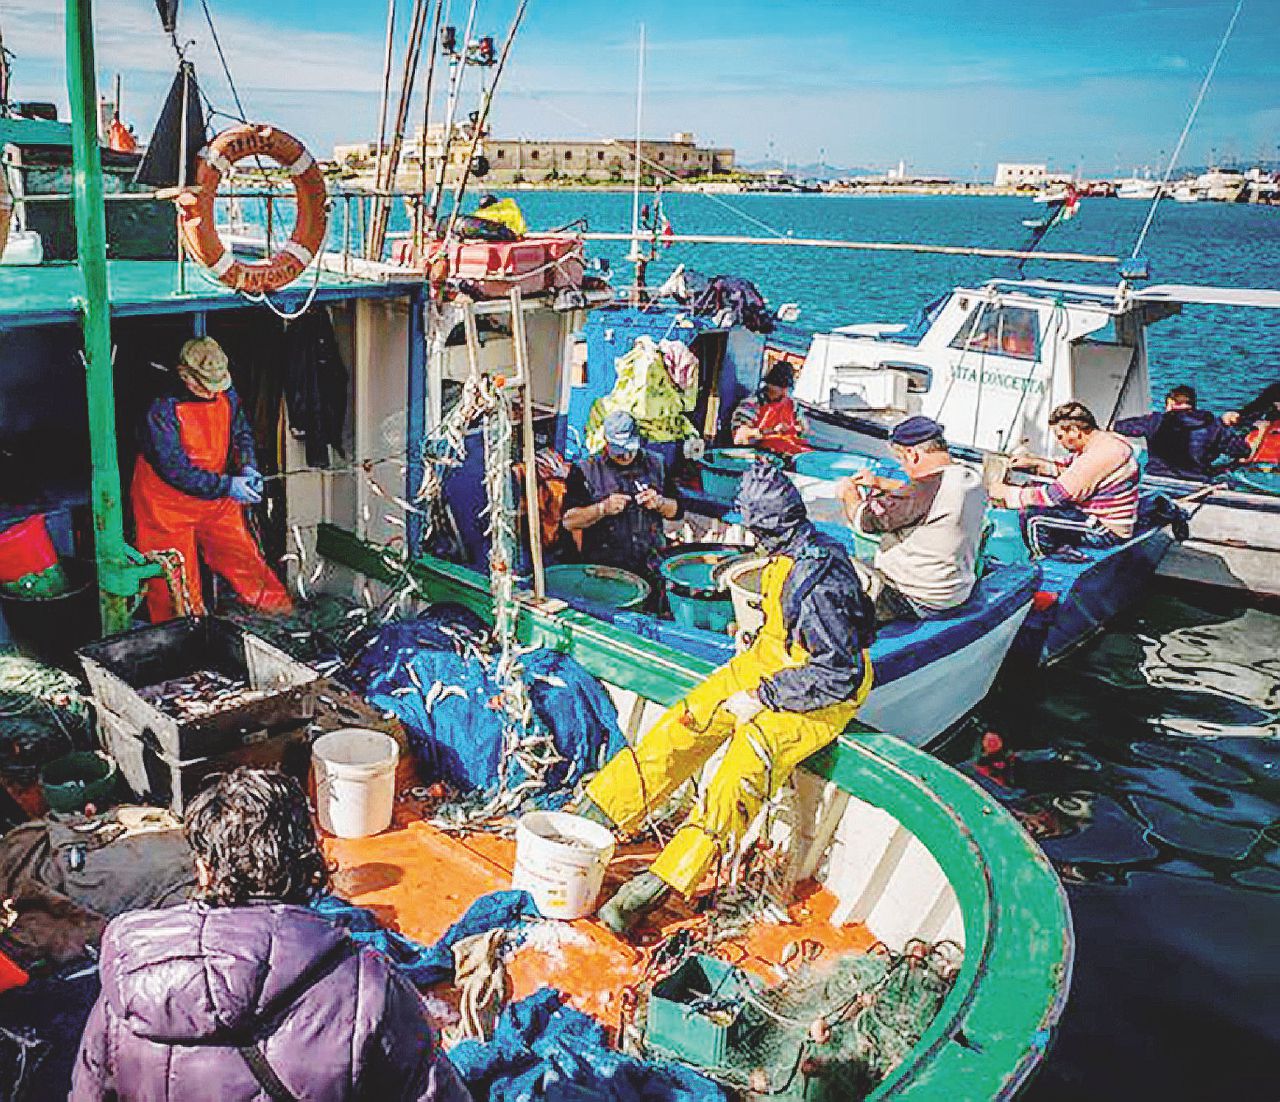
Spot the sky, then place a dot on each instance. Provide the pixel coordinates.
(948, 86)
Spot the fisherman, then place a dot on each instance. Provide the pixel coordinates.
(1093, 498)
(617, 501)
(769, 418)
(930, 526)
(247, 993)
(1260, 419)
(789, 694)
(1183, 441)
(195, 474)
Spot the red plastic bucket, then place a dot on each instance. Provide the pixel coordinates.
(25, 548)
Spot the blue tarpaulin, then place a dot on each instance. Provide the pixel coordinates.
(456, 730)
(545, 1051)
(425, 966)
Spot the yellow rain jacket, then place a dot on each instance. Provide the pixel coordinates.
(762, 753)
(506, 212)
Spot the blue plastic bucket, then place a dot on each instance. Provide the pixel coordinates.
(832, 465)
(602, 586)
(693, 593)
(723, 468)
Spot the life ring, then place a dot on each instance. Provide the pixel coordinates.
(197, 218)
(6, 210)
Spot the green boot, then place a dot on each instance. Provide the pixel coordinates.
(637, 898)
(589, 809)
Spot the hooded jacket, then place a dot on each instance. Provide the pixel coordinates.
(184, 987)
(824, 607)
(1184, 443)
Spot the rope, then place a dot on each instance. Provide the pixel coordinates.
(1186, 129)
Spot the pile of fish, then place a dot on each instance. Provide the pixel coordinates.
(200, 694)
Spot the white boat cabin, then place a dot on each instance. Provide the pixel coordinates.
(990, 363)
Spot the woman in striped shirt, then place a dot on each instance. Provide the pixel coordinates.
(1093, 498)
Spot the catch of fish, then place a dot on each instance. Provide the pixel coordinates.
(200, 694)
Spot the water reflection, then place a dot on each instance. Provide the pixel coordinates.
(1148, 770)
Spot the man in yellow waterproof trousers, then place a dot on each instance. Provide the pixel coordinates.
(792, 692)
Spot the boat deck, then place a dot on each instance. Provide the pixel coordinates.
(419, 880)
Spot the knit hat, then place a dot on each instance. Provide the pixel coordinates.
(203, 362)
(915, 430)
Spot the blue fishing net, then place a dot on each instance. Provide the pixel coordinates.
(435, 673)
(545, 1051)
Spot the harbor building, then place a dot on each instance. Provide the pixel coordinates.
(522, 160)
(1016, 174)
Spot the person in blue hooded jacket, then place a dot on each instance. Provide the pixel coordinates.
(1183, 441)
(790, 693)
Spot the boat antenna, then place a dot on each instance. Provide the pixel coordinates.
(636, 257)
(1191, 118)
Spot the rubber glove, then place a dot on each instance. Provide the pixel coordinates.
(255, 478)
(243, 492)
(744, 706)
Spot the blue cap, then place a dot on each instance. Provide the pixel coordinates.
(915, 430)
(621, 433)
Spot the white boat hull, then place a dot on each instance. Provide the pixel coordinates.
(925, 704)
(1234, 544)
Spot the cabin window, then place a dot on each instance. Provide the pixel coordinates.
(1012, 331)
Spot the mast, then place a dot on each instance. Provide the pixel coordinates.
(119, 574)
(4, 77)
(636, 256)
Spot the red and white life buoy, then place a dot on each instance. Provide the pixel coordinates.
(197, 216)
(6, 210)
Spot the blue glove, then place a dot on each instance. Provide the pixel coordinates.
(242, 491)
(256, 481)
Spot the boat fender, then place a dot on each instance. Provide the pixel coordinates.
(6, 210)
(196, 213)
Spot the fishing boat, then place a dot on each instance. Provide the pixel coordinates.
(1135, 188)
(990, 362)
(894, 863)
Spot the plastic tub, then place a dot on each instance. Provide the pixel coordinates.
(1256, 480)
(561, 861)
(588, 583)
(25, 548)
(50, 628)
(85, 777)
(723, 468)
(743, 579)
(832, 465)
(355, 772)
(694, 595)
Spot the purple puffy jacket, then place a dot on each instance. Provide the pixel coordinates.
(182, 987)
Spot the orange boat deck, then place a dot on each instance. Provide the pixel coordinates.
(419, 880)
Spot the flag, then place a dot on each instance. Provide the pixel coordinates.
(160, 165)
(168, 10)
(119, 138)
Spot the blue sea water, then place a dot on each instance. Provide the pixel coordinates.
(1222, 351)
(1150, 762)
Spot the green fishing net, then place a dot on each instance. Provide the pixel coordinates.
(833, 1030)
(43, 713)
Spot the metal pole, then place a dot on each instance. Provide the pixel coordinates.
(637, 295)
(386, 89)
(116, 581)
(534, 515)
(183, 154)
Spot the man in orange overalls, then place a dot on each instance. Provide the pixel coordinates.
(195, 474)
(769, 418)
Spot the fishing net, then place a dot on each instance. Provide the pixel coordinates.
(43, 714)
(845, 1025)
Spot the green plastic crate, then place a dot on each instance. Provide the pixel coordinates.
(678, 1030)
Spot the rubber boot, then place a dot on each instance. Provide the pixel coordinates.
(589, 809)
(636, 899)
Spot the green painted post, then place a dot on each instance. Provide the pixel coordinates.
(118, 578)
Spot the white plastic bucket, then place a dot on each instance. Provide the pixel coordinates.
(744, 580)
(355, 771)
(561, 861)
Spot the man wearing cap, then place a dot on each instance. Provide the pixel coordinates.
(930, 526)
(617, 501)
(769, 418)
(195, 474)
